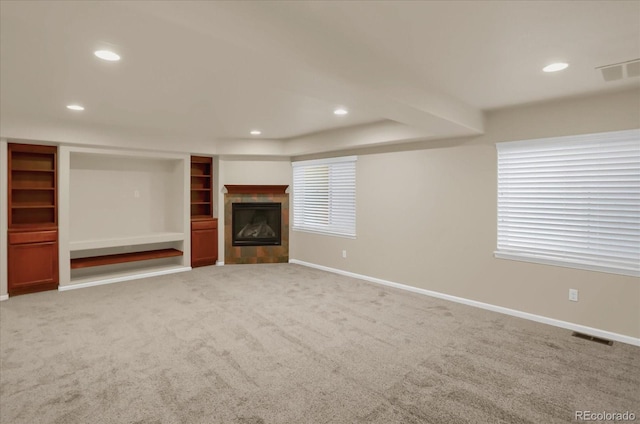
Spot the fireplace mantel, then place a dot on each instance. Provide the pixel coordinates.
(256, 189)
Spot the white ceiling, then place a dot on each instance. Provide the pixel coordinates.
(213, 71)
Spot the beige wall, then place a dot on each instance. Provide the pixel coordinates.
(256, 171)
(426, 217)
(104, 189)
(239, 171)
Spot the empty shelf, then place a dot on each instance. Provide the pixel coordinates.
(123, 257)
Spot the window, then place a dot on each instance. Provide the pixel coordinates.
(324, 196)
(571, 201)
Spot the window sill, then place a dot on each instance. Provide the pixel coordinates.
(325, 233)
(524, 257)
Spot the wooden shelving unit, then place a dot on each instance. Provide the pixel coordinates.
(201, 187)
(33, 218)
(204, 228)
(32, 186)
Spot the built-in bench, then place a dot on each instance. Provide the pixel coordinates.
(123, 257)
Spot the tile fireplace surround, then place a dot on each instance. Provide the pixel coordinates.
(255, 254)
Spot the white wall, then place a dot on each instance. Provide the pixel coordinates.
(426, 217)
(243, 171)
(3, 218)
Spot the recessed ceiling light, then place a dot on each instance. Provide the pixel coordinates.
(340, 111)
(75, 107)
(555, 67)
(107, 55)
(256, 132)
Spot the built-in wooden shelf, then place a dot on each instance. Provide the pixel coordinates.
(123, 257)
(200, 218)
(32, 184)
(31, 170)
(204, 228)
(32, 249)
(32, 206)
(201, 186)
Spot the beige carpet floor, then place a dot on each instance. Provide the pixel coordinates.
(287, 344)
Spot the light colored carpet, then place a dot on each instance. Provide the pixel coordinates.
(287, 344)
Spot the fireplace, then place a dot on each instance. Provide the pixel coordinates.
(256, 224)
(256, 245)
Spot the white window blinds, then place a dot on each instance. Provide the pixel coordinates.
(571, 201)
(324, 196)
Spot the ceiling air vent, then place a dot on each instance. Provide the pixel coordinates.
(618, 71)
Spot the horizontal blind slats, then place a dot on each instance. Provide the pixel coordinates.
(572, 197)
(562, 249)
(569, 223)
(324, 196)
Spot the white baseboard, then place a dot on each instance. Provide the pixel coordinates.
(525, 315)
(100, 282)
(219, 263)
(4, 297)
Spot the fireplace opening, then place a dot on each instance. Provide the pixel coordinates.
(256, 224)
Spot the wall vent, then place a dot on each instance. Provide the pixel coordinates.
(592, 338)
(618, 71)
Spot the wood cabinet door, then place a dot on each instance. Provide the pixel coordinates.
(32, 267)
(204, 247)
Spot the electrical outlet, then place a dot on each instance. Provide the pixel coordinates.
(344, 253)
(573, 295)
(136, 194)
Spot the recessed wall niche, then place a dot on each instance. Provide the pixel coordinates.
(124, 215)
